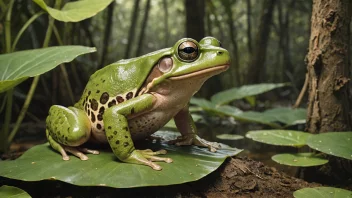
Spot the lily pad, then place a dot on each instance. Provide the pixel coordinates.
(18, 66)
(322, 192)
(333, 143)
(279, 137)
(229, 137)
(299, 159)
(236, 93)
(13, 192)
(75, 11)
(190, 163)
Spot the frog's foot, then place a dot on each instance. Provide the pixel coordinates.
(78, 152)
(147, 157)
(193, 139)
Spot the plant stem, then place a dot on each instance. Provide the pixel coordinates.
(9, 94)
(35, 80)
(23, 110)
(24, 27)
(63, 68)
(5, 129)
(8, 27)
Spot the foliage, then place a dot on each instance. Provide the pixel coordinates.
(17, 66)
(75, 11)
(299, 159)
(245, 91)
(272, 117)
(332, 143)
(279, 137)
(336, 143)
(190, 163)
(21, 65)
(13, 192)
(322, 192)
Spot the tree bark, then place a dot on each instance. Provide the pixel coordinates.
(144, 25)
(132, 29)
(256, 67)
(328, 65)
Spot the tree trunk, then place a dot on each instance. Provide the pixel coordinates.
(144, 25)
(132, 29)
(328, 66)
(257, 63)
(249, 27)
(233, 36)
(195, 19)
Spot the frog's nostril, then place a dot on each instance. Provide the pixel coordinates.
(220, 52)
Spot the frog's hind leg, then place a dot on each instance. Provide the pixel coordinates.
(67, 129)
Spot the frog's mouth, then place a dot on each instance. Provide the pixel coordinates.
(204, 72)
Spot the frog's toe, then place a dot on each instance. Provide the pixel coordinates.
(150, 155)
(212, 146)
(86, 150)
(138, 157)
(159, 159)
(65, 158)
(76, 153)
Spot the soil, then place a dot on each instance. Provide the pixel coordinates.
(237, 177)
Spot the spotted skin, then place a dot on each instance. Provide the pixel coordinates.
(133, 98)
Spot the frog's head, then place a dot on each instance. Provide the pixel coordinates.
(189, 59)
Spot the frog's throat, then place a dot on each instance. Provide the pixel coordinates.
(204, 72)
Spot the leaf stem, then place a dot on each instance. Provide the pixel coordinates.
(8, 27)
(9, 94)
(24, 27)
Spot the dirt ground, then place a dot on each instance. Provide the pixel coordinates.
(237, 177)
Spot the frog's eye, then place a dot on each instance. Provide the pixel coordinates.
(165, 64)
(188, 51)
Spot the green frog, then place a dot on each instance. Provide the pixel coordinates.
(131, 99)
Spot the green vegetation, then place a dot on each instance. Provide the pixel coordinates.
(189, 164)
(331, 143)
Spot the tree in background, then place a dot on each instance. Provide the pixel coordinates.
(328, 65)
(256, 69)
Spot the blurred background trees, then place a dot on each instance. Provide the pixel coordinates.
(268, 41)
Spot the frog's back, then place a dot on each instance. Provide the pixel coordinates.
(115, 84)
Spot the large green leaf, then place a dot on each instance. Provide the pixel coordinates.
(287, 116)
(190, 163)
(279, 137)
(299, 159)
(18, 66)
(271, 117)
(236, 93)
(13, 192)
(75, 11)
(334, 143)
(322, 192)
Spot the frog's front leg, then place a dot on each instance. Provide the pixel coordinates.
(67, 129)
(188, 130)
(119, 137)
